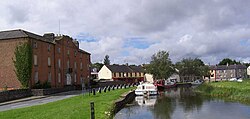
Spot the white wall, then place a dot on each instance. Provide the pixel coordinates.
(104, 73)
(149, 78)
(248, 70)
(175, 76)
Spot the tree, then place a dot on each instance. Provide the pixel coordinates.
(160, 65)
(228, 61)
(97, 65)
(106, 60)
(23, 63)
(191, 68)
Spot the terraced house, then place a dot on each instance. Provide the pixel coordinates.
(226, 72)
(55, 59)
(122, 73)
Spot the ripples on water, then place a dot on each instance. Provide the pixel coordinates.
(183, 103)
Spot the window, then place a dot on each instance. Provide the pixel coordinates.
(75, 77)
(49, 63)
(75, 53)
(68, 52)
(75, 65)
(59, 77)
(81, 55)
(59, 50)
(49, 77)
(49, 47)
(81, 65)
(59, 63)
(68, 64)
(35, 44)
(36, 77)
(35, 60)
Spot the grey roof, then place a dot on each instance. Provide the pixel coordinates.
(119, 68)
(137, 68)
(225, 67)
(19, 33)
(125, 68)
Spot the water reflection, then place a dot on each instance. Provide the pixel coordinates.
(183, 103)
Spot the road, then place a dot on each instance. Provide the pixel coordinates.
(50, 98)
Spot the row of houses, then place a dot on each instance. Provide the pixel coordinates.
(57, 60)
(122, 73)
(137, 73)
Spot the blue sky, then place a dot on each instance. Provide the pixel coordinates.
(132, 31)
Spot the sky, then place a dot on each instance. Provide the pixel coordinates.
(131, 31)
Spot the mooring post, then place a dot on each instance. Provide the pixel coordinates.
(92, 110)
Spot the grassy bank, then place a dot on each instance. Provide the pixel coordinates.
(228, 90)
(72, 108)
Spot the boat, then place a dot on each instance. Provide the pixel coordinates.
(146, 89)
(162, 84)
(146, 101)
(197, 82)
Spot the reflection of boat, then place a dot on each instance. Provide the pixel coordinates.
(147, 101)
(161, 84)
(146, 89)
(197, 82)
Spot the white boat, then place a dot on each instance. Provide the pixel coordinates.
(146, 89)
(146, 101)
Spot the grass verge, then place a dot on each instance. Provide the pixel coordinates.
(233, 91)
(72, 108)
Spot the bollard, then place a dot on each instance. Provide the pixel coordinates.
(93, 91)
(92, 110)
(117, 87)
(113, 87)
(109, 88)
(104, 90)
(99, 90)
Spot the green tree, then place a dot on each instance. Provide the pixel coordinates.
(160, 65)
(228, 61)
(23, 63)
(97, 65)
(106, 60)
(190, 68)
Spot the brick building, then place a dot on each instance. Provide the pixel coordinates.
(55, 59)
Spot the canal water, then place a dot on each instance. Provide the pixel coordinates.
(182, 103)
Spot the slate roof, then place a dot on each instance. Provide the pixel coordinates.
(225, 67)
(19, 33)
(125, 68)
(137, 68)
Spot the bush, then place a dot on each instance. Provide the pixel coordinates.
(40, 85)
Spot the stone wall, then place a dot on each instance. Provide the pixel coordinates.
(14, 94)
(119, 104)
(41, 92)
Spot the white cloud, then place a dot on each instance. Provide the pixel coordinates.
(210, 30)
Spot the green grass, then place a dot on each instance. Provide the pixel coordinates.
(77, 107)
(229, 90)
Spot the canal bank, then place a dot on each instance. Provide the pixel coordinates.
(77, 107)
(182, 103)
(231, 91)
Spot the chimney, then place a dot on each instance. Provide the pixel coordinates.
(49, 36)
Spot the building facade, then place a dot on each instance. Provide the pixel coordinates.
(55, 59)
(226, 72)
(121, 73)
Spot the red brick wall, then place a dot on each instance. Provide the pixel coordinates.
(42, 68)
(7, 73)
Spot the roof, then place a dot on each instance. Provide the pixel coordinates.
(119, 68)
(137, 68)
(225, 67)
(80, 50)
(19, 33)
(124, 68)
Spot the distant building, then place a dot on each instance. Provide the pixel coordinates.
(55, 59)
(121, 73)
(225, 72)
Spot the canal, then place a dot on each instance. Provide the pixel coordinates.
(182, 103)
